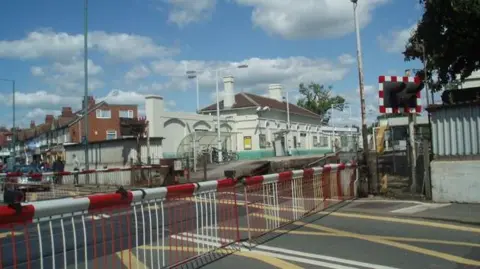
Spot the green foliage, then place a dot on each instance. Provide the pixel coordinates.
(448, 35)
(319, 99)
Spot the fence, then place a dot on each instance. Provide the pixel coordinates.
(164, 227)
(66, 184)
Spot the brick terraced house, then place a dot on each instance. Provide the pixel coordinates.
(47, 139)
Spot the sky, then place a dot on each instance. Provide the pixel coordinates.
(143, 47)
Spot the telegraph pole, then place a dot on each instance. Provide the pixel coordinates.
(85, 101)
(362, 91)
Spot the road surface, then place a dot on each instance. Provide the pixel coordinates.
(351, 235)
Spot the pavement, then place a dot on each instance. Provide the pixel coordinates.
(367, 233)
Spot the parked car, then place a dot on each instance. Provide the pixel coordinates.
(30, 178)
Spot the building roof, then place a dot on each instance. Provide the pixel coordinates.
(249, 100)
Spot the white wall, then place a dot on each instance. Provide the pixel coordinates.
(112, 153)
(455, 181)
(175, 126)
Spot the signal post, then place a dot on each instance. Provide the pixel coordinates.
(401, 95)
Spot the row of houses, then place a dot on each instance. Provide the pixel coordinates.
(46, 140)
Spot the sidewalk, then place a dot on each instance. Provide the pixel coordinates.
(460, 213)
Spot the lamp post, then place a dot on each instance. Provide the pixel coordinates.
(361, 86)
(14, 129)
(194, 75)
(85, 69)
(219, 138)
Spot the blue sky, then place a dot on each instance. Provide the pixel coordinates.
(141, 47)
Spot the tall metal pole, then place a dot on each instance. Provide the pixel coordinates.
(219, 146)
(362, 92)
(85, 101)
(14, 128)
(198, 92)
(287, 142)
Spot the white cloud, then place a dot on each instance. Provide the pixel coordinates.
(40, 99)
(395, 41)
(184, 12)
(37, 71)
(69, 76)
(38, 114)
(61, 46)
(346, 59)
(293, 19)
(137, 72)
(260, 72)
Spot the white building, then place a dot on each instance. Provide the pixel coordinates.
(254, 126)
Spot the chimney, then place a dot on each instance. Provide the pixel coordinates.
(32, 124)
(229, 99)
(275, 91)
(49, 119)
(154, 109)
(91, 102)
(67, 112)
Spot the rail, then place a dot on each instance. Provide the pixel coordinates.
(165, 227)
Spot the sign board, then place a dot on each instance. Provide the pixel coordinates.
(399, 94)
(247, 142)
(177, 165)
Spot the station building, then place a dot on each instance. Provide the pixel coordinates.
(251, 125)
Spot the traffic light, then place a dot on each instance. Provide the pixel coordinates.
(400, 94)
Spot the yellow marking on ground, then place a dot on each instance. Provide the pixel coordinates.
(424, 251)
(373, 239)
(405, 221)
(126, 255)
(278, 263)
(9, 234)
(393, 238)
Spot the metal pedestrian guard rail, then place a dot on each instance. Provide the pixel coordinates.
(164, 227)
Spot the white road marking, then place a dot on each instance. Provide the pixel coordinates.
(418, 208)
(287, 254)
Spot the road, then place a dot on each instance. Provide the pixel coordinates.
(358, 234)
(377, 234)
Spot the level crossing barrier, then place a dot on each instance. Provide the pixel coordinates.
(164, 227)
(54, 185)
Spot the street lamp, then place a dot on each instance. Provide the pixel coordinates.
(14, 129)
(218, 108)
(361, 82)
(193, 75)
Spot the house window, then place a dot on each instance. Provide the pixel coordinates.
(294, 142)
(126, 114)
(262, 138)
(104, 114)
(9, 138)
(315, 141)
(111, 134)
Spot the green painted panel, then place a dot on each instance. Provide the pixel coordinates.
(262, 154)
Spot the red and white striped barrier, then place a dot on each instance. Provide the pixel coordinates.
(274, 200)
(166, 226)
(67, 173)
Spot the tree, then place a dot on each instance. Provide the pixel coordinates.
(318, 98)
(447, 37)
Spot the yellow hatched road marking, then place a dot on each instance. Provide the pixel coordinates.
(393, 238)
(405, 221)
(278, 263)
(126, 255)
(373, 239)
